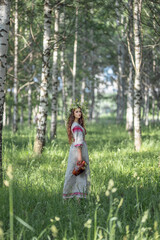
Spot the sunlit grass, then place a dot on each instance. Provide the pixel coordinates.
(38, 184)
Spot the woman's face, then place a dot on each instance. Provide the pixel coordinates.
(77, 113)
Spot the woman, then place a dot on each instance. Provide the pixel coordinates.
(76, 186)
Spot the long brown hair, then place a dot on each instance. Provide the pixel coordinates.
(71, 120)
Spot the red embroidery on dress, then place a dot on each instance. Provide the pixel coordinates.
(78, 145)
(77, 129)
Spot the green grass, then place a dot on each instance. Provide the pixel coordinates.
(38, 183)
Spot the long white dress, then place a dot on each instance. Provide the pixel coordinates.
(77, 185)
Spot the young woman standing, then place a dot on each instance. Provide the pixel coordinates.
(76, 186)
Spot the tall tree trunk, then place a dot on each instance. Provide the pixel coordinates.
(4, 114)
(137, 84)
(120, 103)
(130, 90)
(62, 69)
(75, 54)
(43, 106)
(153, 107)
(83, 86)
(4, 32)
(146, 102)
(15, 87)
(92, 99)
(130, 102)
(29, 104)
(55, 77)
(21, 116)
(120, 82)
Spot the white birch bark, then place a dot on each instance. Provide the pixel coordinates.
(15, 85)
(130, 81)
(75, 55)
(137, 84)
(83, 90)
(43, 105)
(55, 77)
(4, 32)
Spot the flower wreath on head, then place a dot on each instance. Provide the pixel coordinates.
(74, 105)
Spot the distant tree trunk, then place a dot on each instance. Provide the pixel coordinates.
(92, 99)
(146, 101)
(153, 93)
(64, 97)
(9, 115)
(55, 77)
(62, 69)
(4, 32)
(29, 104)
(130, 102)
(21, 116)
(137, 84)
(75, 55)
(15, 87)
(4, 114)
(120, 102)
(43, 107)
(130, 81)
(83, 90)
(153, 107)
(120, 82)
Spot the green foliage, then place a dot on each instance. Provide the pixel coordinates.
(126, 207)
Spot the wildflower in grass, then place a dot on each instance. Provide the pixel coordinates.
(6, 183)
(88, 223)
(100, 235)
(57, 219)
(114, 190)
(145, 216)
(54, 230)
(51, 220)
(9, 172)
(110, 184)
(1, 231)
(120, 203)
(135, 175)
(107, 193)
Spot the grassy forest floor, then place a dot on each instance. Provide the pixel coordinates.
(128, 210)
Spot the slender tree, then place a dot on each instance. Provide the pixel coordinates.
(130, 80)
(15, 87)
(4, 32)
(75, 55)
(137, 83)
(55, 76)
(43, 105)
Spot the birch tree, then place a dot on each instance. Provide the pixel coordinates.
(62, 68)
(130, 80)
(55, 76)
(75, 55)
(137, 83)
(43, 105)
(15, 86)
(4, 32)
(120, 53)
